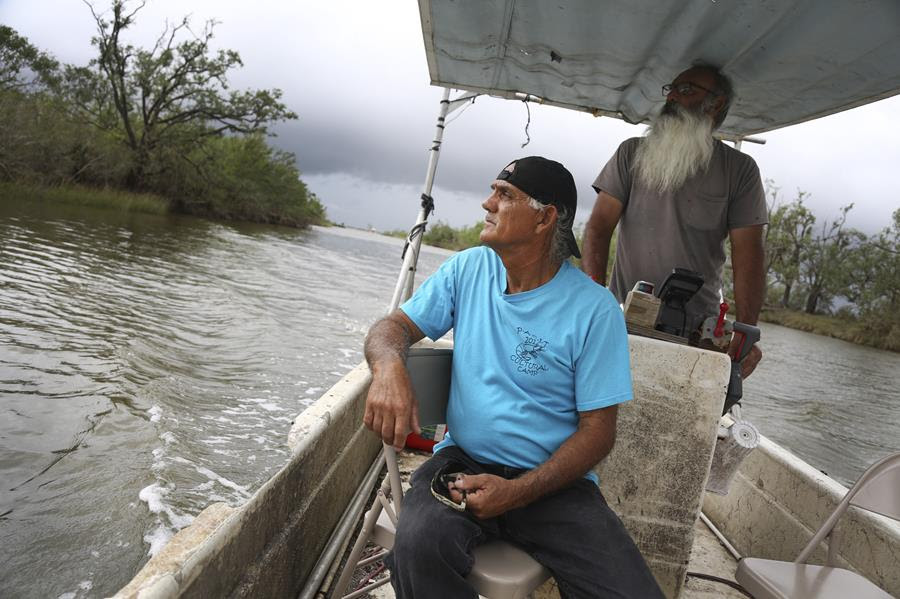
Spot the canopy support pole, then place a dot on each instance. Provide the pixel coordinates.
(403, 288)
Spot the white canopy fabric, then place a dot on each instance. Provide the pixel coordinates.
(790, 60)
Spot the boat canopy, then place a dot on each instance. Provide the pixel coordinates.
(790, 60)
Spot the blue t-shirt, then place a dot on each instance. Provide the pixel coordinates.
(524, 364)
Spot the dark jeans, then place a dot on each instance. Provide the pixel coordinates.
(573, 533)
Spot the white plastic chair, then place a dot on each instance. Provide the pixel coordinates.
(501, 570)
(877, 490)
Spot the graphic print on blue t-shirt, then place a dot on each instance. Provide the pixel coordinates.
(528, 353)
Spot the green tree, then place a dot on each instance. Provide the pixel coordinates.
(440, 234)
(788, 236)
(24, 70)
(22, 65)
(251, 181)
(166, 100)
(873, 274)
(823, 266)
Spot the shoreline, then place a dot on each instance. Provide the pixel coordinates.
(123, 200)
(851, 331)
(92, 197)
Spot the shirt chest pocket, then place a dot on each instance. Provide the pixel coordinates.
(706, 212)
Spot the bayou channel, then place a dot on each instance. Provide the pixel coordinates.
(151, 365)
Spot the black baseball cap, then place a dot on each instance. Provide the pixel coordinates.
(548, 182)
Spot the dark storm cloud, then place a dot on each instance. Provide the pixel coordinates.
(322, 147)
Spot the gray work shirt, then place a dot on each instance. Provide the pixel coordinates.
(685, 228)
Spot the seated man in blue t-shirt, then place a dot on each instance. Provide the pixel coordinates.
(540, 364)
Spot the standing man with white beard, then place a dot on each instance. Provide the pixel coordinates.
(676, 194)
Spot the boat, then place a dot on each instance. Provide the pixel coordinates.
(792, 61)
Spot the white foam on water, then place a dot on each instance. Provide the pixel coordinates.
(155, 413)
(215, 441)
(348, 352)
(314, 390)
(158, 463)
(267, 404)
(230, 453)
(153, 495)
(70, 595)
(222, 480)
(242, 490)
(168, 437)
(157, 539)
(86, 585)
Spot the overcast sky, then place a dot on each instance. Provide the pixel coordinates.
(355, 73)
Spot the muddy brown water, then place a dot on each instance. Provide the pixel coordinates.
(152, 365)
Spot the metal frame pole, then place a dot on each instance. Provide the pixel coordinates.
(411, 256)
(403, 288)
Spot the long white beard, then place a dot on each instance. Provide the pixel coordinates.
(676, 147)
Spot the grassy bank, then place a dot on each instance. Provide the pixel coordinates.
(442, 235)
(78, 195)
(851, 330)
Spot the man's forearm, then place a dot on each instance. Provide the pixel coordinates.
(388, 341)
(592, 442)
(391, 410)
(598, 234)
(748, 260)
(749, 290)
(595, 257)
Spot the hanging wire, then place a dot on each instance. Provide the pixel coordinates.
(527, 136)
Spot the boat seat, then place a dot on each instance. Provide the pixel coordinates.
(877, 490)
(501, 570)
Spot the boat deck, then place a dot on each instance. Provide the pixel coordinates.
(708, 555)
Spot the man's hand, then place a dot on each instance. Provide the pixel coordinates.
(391, 409)
(748, 364)
(487, 495)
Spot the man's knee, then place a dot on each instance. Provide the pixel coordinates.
(427, 531)
(431, 535)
